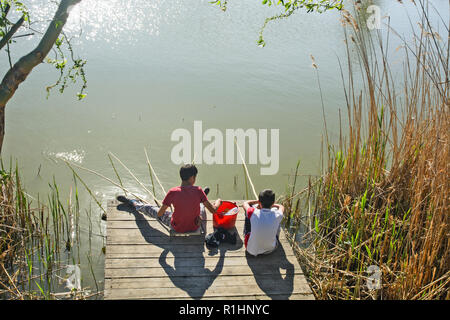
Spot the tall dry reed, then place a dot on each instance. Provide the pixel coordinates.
(383, 198)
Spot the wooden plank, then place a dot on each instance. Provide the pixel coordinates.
(200, 292)
(149, 295)
(150, 251)
(159, 241)
(195, 271)
(296, 296)
(219, 281)
(199, 260)
(210, 287)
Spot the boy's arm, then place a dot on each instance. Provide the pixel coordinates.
(162, 210)
(249, 204)
(212, 208)
(279, 207)
(166, 203)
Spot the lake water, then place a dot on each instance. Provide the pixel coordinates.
(156, 66)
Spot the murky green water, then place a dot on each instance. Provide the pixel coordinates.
(155, 66)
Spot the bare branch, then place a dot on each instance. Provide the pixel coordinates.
(11, 32)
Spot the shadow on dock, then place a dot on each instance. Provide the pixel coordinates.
(195, 289)
(272, 263)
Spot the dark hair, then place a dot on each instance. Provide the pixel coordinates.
(267, 198)
(187, 171)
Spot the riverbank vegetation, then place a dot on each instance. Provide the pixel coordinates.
(41, 256)
(376, 225)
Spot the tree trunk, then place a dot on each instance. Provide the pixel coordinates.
(19, 72)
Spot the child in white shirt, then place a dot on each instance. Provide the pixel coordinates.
(262, 223)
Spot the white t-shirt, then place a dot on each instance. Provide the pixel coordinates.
(265, 226)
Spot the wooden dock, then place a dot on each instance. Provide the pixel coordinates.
(143, 262)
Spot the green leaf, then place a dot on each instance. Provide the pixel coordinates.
(261, 43)
(368, 252)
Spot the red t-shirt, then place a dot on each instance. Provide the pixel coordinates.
(186, 201)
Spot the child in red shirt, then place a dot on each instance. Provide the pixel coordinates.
(188, 200)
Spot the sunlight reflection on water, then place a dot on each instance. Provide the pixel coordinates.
(76, 156)
(109, 19)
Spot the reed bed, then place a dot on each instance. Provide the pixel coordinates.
(39, 243)
(376, 225)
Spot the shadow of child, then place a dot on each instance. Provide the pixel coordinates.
(188, 271)
(268, 276)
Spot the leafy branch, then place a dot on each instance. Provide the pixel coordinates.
(67, 73)
(8, 28)
(290, 6)
(221, 3)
